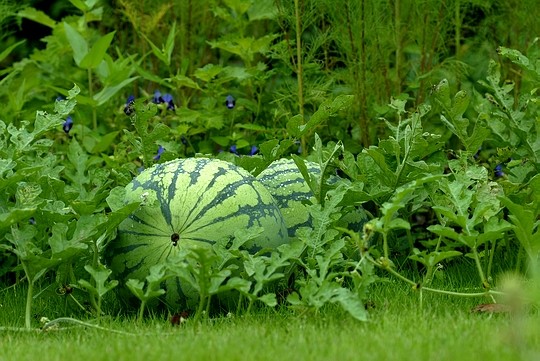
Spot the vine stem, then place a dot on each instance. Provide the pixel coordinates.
(434, 290)
(51, 324)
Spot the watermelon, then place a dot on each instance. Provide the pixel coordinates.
(192, 202)
(286, 184)
(292, 194)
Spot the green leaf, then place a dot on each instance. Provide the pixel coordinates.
(169, 44)
(387, 175)
(9, 49)
(79, 4)
(269, 299)
(327, 109)
(38, 16)
(238, 6)
(184, 81)
(447, 232)
(294, 125)
(460, 104)
(100, 276)
(398, 223)
(15, 216)
(77, 42)
(352, 304)
(109, 91)
(442, 94)
(431, 259)
(261, 10)
(525, 225)
(96, 54)
(159, 53)
(516, 57)
(207, 72)
(136, 287)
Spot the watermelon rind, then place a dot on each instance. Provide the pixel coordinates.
(292, 193)
(192, 202)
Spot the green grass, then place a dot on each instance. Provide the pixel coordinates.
(442, 329)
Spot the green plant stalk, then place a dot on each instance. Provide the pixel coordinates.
(364, 119)
(408, 147)
(457, 26)
(299, 70)
(479, 267)
(29, 297)
(490, 263)
(79, 304)
(200, 307)
(95, 260)
(141, 310)
(91, 95)
(248, 308)
(386, 251)
(397, 22)
(431, 269)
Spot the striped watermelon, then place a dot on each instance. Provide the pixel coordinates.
(286, 184)
(190, 202)
(291, 192)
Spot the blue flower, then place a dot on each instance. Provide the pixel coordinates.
(159, 153)
(233, 149)
(68, 124)
(128, 108)
(167, 98)
(157, 99)
(254, 150)
(299, 150)
(230, 102)
(499, 171)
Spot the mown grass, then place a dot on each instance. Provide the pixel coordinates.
(443, 328)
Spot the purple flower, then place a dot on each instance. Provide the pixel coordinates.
(159, 153)
(233, 149)
(499, 171)
(230, 102)
(167, 98)
(128, 108)
(157, 99)
(254, 150)
(68, 124)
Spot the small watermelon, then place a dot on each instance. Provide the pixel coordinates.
(286, 184)
(190, 202)
(291, 192)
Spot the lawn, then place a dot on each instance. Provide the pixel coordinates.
(444, 328)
